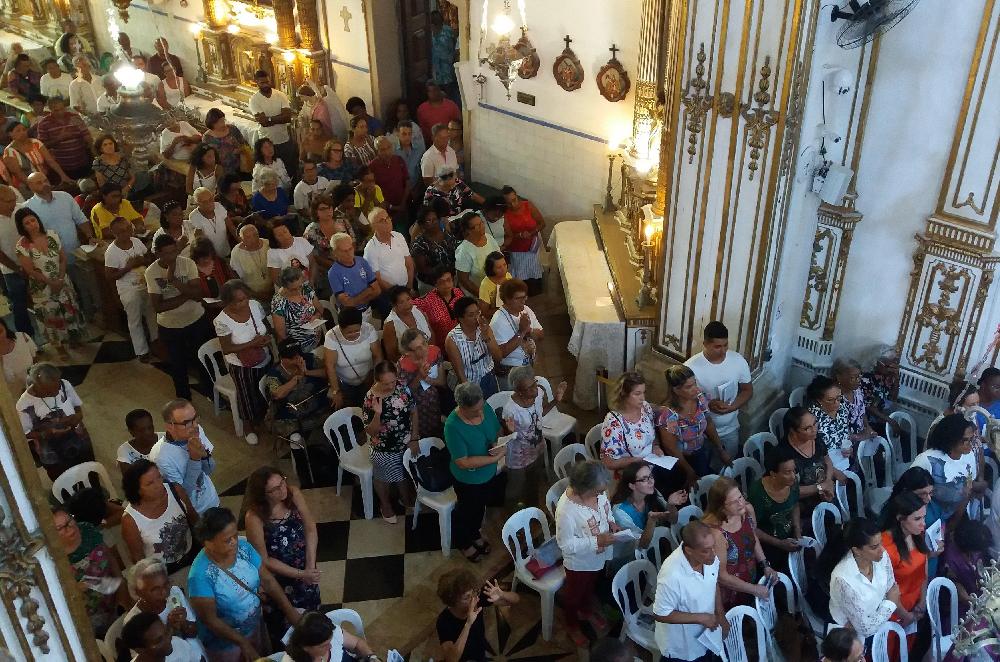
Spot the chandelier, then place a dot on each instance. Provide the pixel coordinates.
(503, 58)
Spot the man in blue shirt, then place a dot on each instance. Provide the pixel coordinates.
(352, 279)
(411, 154)
(58, 211)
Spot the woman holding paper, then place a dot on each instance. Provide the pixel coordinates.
(920, 482)
(904, 542)
(585, 531)
(637, 506)
(522, 416)
(732, 521)
(775, 500)
(684, 425)
(628, 434)
(952, 464)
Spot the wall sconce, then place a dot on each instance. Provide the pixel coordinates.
(289, 56)
(233, 28)
(615, 144)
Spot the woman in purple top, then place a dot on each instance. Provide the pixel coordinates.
(683, 425)
(965, 553)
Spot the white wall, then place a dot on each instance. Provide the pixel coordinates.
(555, 152)
(917, 93)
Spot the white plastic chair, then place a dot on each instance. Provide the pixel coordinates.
(819, 515)
(766, 608)
(555, 424)
(553, 494)
(699, 493)
(754, 446)
(441, 502)
(77, 478)
(112, 636)
(797, 397)
(875, 500)
(941, 642)
(684, 515)
(329, 306)
(736, 643)
(880, 644)
(341, 616)
(294, 440)
(634, 585)
(843, 495)
(353, 457)
(776, 422)
(568, 456)
(546, 586)
(745, 471)
(593, 442)
(499, 400)
(654, 552)
(867, 450)
(911, 451)
(222, 384)
(797, 572)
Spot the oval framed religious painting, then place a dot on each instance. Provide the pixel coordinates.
(612, 80)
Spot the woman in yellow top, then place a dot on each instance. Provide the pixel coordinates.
(111, 206)
(496, 272)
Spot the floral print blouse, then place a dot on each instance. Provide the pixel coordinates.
(394, 434)
(297, 314)
(439, 254)
(690, 432)
(93, 559)
(622, 438)
(857, 412)
(833, 432)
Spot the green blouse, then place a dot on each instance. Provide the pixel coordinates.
(773, 518)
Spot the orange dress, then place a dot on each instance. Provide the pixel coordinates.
(911, 575)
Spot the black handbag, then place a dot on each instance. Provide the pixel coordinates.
(432, 471)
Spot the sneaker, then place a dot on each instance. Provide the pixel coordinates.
(252, 439)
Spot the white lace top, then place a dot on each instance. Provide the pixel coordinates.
(855, 600)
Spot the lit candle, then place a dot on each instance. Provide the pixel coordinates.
(524, 15)
(649, 233)
(484, 23)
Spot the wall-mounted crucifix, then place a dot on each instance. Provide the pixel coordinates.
(347, 16)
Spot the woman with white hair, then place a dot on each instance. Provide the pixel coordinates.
(449, 187)
(156, 594)
(523, 416)
(470, 433)
(293, 307)
(211, 220)
(585, 530)
(249, 261)
(270, 200)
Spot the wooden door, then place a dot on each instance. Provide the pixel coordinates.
(415, 19)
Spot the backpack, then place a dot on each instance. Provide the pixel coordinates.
(432, 471)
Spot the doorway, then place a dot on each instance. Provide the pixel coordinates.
(418, 43)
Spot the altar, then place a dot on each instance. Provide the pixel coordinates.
(598, 338)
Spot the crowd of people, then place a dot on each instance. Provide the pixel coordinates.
(425, 284)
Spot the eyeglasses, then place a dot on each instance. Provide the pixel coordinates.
(188, 423)
(70, 524)
(644, 479)
(445, 178)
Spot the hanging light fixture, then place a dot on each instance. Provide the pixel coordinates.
(502, 58)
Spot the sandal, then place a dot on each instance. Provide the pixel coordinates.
(483, 547)
(475, 557)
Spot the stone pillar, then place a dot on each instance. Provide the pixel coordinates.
(954, 263)
(309, 25)
(284, 14)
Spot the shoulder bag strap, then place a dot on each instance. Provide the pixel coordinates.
(241, 583)
(344, 354)
(180, 504)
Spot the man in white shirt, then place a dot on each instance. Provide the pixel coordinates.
(388, 253)
(273, 111)
(109, 98)
(289, 251)
(85, 88)
(211, 220)
(440, 153)
(152, 81)
(184, 454)
(125, 261)
(724, 377)
(178, 138)
(54, 81)
(312, 184)
(688, 604)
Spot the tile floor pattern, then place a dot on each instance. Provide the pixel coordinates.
(387, 573)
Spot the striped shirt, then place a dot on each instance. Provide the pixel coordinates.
(477, 361)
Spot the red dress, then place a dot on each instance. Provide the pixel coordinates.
(740, 561)
(911, 575)
(438, 313)
(521, 220)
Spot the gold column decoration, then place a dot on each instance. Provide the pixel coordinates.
(309, 25)
(697, 102)
(955, 261)
(648, 76)
(759, 120)
(214, 13)
(284, 14)
(676, 20)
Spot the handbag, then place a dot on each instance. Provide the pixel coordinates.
(251, 357)
(257, 594)
(433, 471)
(546, 558)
